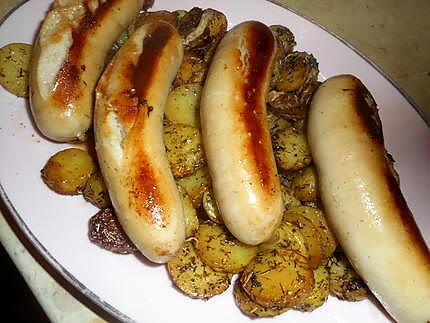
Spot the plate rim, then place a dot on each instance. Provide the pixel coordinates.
(83, 293)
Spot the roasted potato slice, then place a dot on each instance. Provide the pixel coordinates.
(287, 236)
(193, 69)
(278, 278)
(183, 105)
(291, 149)
(211, 208)
(14, 67)
(345, 283)
(68, 171)
(313, 239)
(219, 249)
(285, 40)
(184, 149)
(196, 184)
(288, 197)
(95, 191)
(319, 293)
(316, 216)
(193, 277)
(276, 123)
(305, 185)
(191, 219)
(251, 308)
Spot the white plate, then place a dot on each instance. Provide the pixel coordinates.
(129, 288)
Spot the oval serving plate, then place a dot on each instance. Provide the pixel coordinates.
(130, 288)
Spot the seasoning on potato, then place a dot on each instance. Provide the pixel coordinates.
(217, 247)
(278, 278)
(68, 171)
(14, 68)
(193, 277)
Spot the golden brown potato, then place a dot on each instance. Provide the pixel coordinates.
(217, 247)
(276, 123)
(288, 197)
(95, 191)
(285, 40)
(291, 149)
(319, 293)
(345, 283)
(305, 185)
(196, 184)
(184, 149)
(183, 105)
(194, 277)
(316, 216)
(287, 236)
(278, 278)
(313, 239)
(14, 67)
(251, 308)
(211, 208)
(191, 219)
(68, 171)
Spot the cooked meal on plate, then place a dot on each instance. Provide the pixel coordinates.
(222, 154)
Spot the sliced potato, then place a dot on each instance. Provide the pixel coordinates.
(211, 208)
(278, 278)
(196, 184)
(288, 236)
(68, 171)
(313, 239)
(305, 184)
(191, 219)
(316, 216)
(184, 149)
(276, 123)
(291, 149)
(251, 308)
(288, 197)
(14, 67)
(95, 191)
(345, 283)
(319, 293)
(217, 247)
(193, 277)
(183, 105)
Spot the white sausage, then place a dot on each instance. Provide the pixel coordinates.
(363, 201)
(128, 126)
(236, 136)
(68, 58)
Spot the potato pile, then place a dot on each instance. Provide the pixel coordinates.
(301, 264)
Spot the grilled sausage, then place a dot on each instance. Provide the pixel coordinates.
(235, 133)
(68, 58)
(363, 200)
(128, 127)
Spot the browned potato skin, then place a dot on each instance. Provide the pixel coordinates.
(278, 278)
(193, 277)
(95, 191)
(251, 308)
(68, 171)
(345, 283)
(14, 68)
